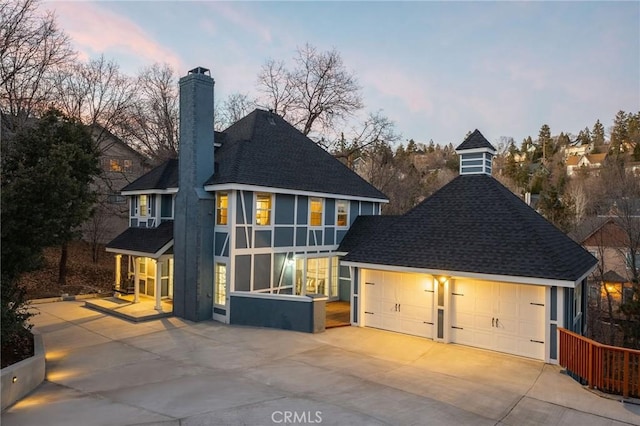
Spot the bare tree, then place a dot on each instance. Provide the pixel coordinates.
(95, 93)
(236, 106)
(377, 128)
(32, 47)
(318, 92)
(153, 125)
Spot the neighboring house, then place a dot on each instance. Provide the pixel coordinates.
(472, 264)
(590, 162)
(604, 238)
(262, 215)
(577, 149)
(120, 165)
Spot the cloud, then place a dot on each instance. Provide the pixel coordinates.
(410, 89)
(242, 18)
(96, 30)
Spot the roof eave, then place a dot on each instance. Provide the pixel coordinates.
(150, 191)
(462, 274)
(259, 188)
(155, 255)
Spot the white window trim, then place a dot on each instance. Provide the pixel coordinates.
(255, 210)
(347, 211)
(322, 213)
(226, 225)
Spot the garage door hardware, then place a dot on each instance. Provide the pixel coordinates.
(457, 294)
(494, 322)
(429, 291)
(370, 283)
(537, 341)
(397, 307)
(370, 313)
(537, 304)
(427, 322)
(457, 328)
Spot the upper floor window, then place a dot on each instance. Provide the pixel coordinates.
(316, 211)
(143, 206)
(222, 208)
(263, 209)
(342, 213)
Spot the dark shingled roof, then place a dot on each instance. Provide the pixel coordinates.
(144, 240)
(475, 140)
(363, 227)
(612, 276)
(474, 224)
(263, 149)
(162, 177)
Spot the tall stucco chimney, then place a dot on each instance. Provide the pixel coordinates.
(194, 208)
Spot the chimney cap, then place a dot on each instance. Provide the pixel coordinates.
(200, 70)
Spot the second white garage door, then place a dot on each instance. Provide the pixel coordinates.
(401, 302)
(499, 316)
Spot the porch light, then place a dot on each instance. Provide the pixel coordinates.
(14, 379)
(442, 279)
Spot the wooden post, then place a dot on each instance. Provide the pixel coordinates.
(136, 280)
(625, 375)
(118, 272)
(158, 285)
(590, 367)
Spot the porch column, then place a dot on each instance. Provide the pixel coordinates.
(136, 280)
(158, 285)
(118, 258)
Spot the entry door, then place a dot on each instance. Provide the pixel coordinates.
(399, 302)
(499, 316)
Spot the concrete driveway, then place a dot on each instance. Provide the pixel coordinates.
(105, 371)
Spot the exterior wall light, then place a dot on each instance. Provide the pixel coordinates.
(15, 379)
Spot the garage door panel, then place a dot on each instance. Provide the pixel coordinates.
(399, 302)
(500, 316)
(373, 320)
(417, 328)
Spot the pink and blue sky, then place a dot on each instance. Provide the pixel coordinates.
(437, 69)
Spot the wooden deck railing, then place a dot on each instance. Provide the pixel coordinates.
(610, 369)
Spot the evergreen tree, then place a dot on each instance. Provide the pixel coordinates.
(597, 134)
(46, 172)
(619, 133)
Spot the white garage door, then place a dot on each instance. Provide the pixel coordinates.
(399, 302)
(499, 316)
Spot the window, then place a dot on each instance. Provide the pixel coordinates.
(316, 212)
(114, 165)
(263, 209)
(577, 300)
(221, 283)
(342, 213)
(143, 206)
(222, 208)
(116, 199)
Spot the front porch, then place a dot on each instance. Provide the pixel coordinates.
(124, 307)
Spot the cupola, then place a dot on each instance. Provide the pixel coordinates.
(476, 155)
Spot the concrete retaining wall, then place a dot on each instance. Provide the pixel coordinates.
(29, 373)
(286, 312)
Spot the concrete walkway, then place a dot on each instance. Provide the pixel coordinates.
(105, 371)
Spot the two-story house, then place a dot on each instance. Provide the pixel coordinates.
(257, 223)
(263, 210)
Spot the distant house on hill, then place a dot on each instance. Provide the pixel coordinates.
(590, 162)
(120, 165)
